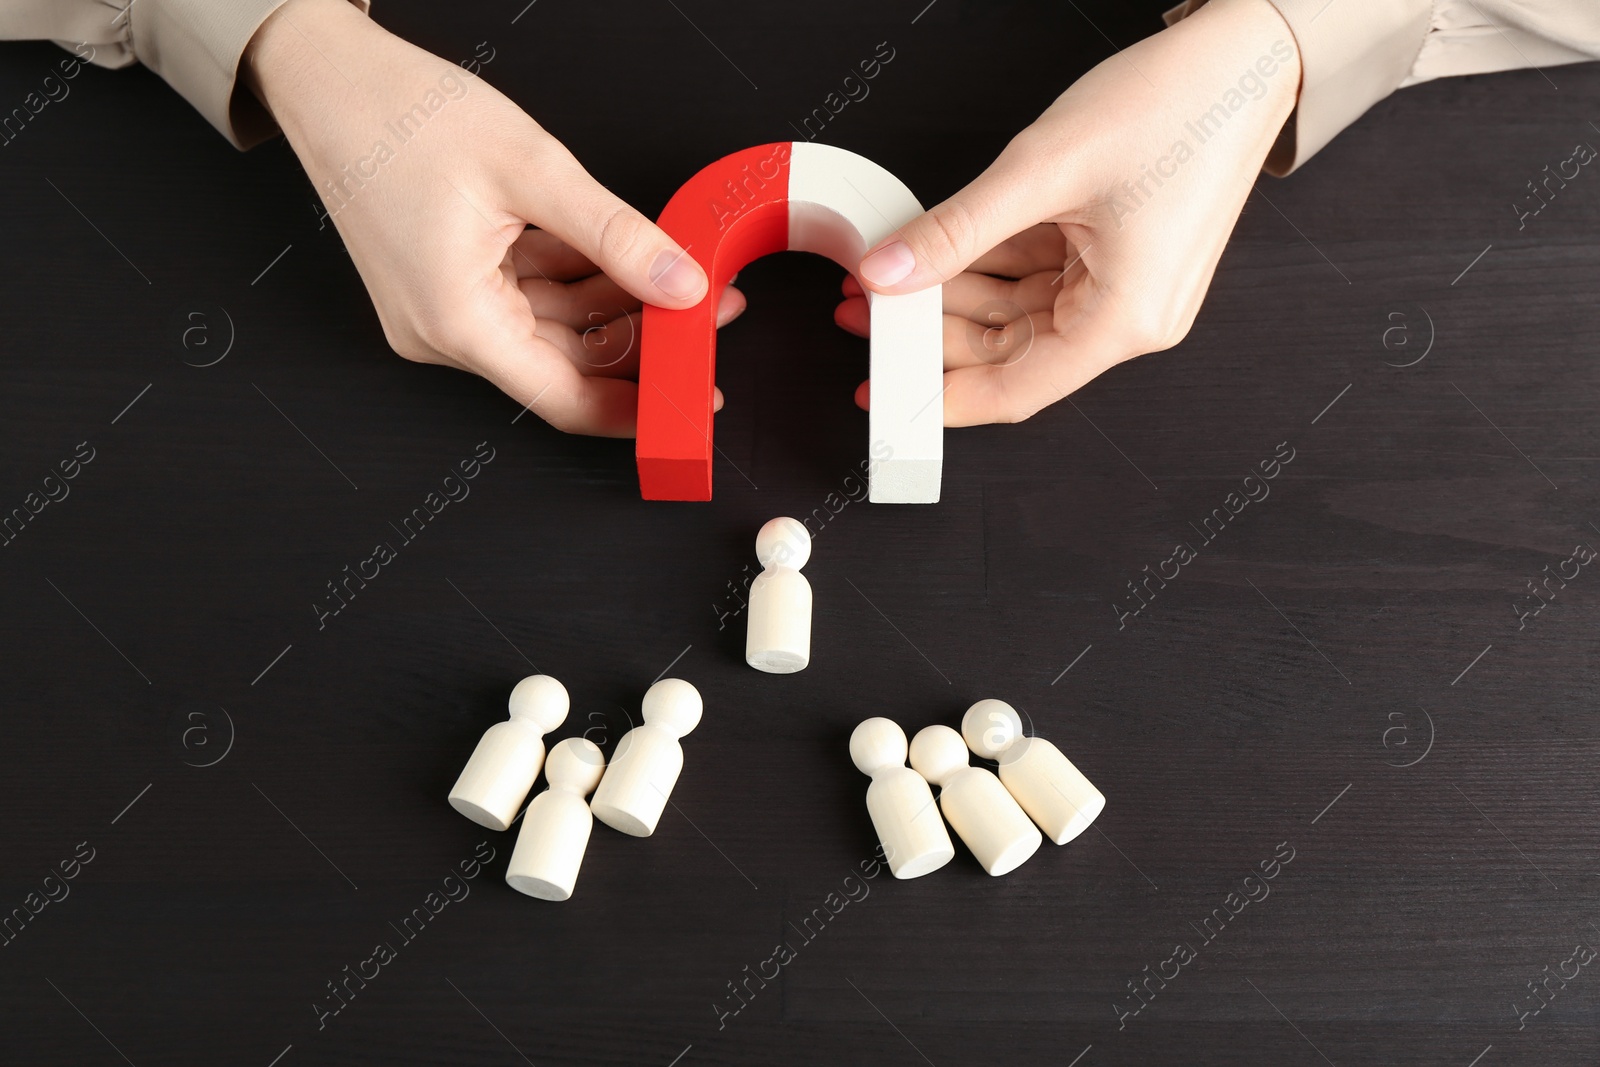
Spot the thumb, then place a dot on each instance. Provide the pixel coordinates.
(942, 242)
(628, 247)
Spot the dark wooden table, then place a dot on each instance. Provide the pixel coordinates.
(250, 804)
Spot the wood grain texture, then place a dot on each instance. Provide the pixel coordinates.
(1298, 661)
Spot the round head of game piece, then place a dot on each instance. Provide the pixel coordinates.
(674, 705)
(541, 700)
(783, 542)
(877, 744)
(990, 727)
(576, 764)
(938, 754)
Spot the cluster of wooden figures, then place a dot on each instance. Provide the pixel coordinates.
(629, 795)
(994, 816)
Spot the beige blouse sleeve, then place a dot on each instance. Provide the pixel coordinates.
(1354, 53)
(195, 45)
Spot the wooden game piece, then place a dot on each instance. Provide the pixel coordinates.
(648, 759)
(1053, 792)
(982, 813)
(496, 780)
(899, 801)
(805, 197)
(555, 828)
(778, 640)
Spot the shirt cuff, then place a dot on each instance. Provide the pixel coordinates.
(196, 46)
(1351, 56)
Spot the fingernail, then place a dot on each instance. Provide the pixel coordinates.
(889, 264)
(677, 275)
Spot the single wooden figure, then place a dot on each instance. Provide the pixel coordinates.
(648, 759)
(1053, 792)
(983, 814)
(555, 828)
(900, 802)
(779, 637)
(503, 767)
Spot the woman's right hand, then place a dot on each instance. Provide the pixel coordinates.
(432, 177)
